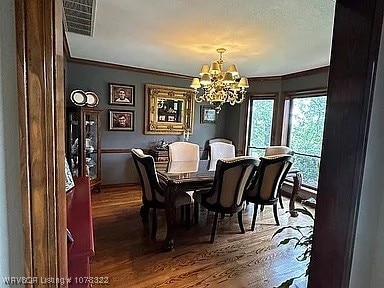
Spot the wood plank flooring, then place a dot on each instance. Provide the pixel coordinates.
(125, 254)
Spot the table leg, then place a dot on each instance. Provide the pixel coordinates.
(297, 181)
(170, 214)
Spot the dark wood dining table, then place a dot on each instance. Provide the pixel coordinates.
(201, 179)
(177, 182)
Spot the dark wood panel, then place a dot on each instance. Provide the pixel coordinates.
(41, 114)
(354, 51)
(125, 254)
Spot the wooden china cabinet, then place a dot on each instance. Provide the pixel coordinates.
(83, 144)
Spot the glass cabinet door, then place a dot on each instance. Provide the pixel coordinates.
(91, 145)
(74, 157)
(83, 147)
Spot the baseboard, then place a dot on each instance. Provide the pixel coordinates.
(119, 185)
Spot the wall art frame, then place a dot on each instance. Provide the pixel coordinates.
(121, 120)
(168, 110)
(121, 94)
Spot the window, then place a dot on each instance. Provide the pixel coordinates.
(260, 125)
(305, 135)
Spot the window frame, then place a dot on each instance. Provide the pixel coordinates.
(287, 114)
(262, 96)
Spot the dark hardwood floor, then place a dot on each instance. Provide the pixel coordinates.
(125, 254)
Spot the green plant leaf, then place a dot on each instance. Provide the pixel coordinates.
(305, 211)
(287, 240)
(287, 283)
(281, 230)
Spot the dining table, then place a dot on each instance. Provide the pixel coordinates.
(196, 178)
(177, 182)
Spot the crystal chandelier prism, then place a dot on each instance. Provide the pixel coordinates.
(220, 86)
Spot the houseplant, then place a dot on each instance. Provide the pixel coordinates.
(303, 238)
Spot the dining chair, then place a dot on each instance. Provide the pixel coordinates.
(278, 150)
(152, 189)
(232, 176)
(219, 150)
(183, 157)
(205, 153)
(263, 188)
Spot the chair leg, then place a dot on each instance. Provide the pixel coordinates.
(240, 219)
(154, 225)
(281, 200)
(254, 217)
(196, 212)
(144, 213)
(214, 228)
(222, 216)
(188, 216)
(275, 214)
(262, 208)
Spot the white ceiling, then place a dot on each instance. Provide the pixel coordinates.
(262, 37)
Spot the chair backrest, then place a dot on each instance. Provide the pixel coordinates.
(220, 150)
(270, 175)
(205, 153)
(183, 157)
(278, 150)
(231, 179)
(222, 140)
(145, 166)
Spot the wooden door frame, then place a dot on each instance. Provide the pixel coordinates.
(355, 49)
(41, 105)
(40, 80)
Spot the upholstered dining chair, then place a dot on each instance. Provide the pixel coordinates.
(152, 190)
(264, 187)
(183, 157)
(232, 176)
(219, 150)
(205, 153)
(277, 150)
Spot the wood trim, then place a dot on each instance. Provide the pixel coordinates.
(287, 108)
(271, 95)
(41, 117)
(112, 150)
(309, 72)
(324, 69)
(356, 40)
(67, 52)
(306, 92)
(265, 79)
(118, 185)
(127, 68)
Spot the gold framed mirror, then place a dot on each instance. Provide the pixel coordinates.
(168, 110)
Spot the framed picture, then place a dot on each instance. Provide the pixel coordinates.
(208, 114)
(121, 94)
(168, 110)
(121, 120)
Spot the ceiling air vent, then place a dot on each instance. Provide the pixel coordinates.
(79, 16)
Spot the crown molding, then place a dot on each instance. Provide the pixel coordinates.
(267, 78)
(71, 59)
(127, 68)
(323, 69)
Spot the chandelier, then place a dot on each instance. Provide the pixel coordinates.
(218, 86)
